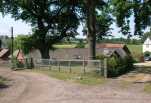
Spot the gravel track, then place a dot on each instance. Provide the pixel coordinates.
(28, 87)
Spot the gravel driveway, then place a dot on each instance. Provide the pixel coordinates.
(38, 88)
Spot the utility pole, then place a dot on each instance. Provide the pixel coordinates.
(12, 47)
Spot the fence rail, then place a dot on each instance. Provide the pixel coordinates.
(81, 66)
(72, 66)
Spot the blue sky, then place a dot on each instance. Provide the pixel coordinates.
(21, 27)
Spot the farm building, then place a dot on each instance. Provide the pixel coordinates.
(121, 49)
(147, 45)
(4, 54)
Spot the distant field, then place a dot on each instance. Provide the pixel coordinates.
(64, 45)
(136, 51)
(135, 48)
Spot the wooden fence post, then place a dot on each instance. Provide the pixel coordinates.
(70, 66)
(84, 66)
(50, 62)
(100, 67)
(32, 63)
(105, 67)
(59, 65)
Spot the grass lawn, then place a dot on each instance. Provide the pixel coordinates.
(86, 79)
(147, 88)
(136, 51)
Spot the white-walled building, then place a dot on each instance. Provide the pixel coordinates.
(147, 45)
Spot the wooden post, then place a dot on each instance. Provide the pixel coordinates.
(50, 65)
(70, 66)
(59, 65)
(105, 67)
(100, 67)
(84, 66)
(32, 63)
(12, 48)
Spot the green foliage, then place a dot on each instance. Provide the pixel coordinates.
(51, 21)
(103, 22)
(100, 56)
(19, 64)
(147, 54)
(80, 44)
(26, 63)
(23, 42)
(117, 66)
(145, 36)
(124, 9)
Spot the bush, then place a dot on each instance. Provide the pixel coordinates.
(147, 54)
(118, 66)
(101, 56)
(26, 63)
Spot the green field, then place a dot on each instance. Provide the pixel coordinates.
(64, 46)
(136, 51)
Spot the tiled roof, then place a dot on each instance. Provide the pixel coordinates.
(3, 52)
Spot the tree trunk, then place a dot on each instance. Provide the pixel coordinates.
(43, 46)
(45, 53)
(91, 21)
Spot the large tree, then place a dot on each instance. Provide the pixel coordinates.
(52, 20)
(90, 12)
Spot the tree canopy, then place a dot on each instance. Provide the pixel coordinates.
(52, 20)
(139, 9)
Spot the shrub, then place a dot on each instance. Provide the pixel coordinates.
(147, 54)
(26, 63)
(29, 63)
(100, 56)
(117, 66)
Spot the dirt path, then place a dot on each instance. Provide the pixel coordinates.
(38, 88)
